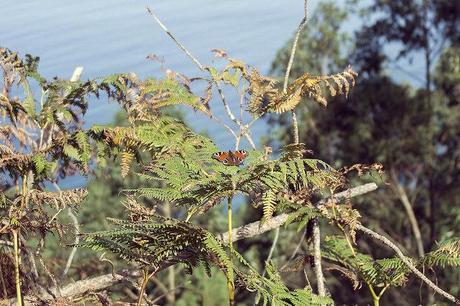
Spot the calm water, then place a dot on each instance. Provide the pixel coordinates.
(115, 36)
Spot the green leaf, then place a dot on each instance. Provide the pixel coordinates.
(72, 152)
(39, 162)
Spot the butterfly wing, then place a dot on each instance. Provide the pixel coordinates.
(223, 157)
(237, 157)
(230, 158)
(241, 155)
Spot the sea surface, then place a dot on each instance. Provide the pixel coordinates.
(106, 37)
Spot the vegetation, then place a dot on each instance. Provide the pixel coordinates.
(164, 186)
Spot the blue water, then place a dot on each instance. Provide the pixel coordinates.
(115, 36)
(108, 37)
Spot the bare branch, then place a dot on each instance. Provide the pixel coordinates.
(256, 228)
(76, 242)
(302, 24)
(226, 106)
(407, 262)
(181, 46)
(317, 258)
(295, 130)
(410, 213)
(244, 130)
(249, 139)
(246, 231)
(218, 121)
(272, 249)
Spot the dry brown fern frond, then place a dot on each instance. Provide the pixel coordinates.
(16, 163)
(262, 92)
(138, 211)
(265, 97)
(59, 199)
(126, 159)
(313, 87)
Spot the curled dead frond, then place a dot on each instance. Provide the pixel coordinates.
(138, 211)
(293, 151)
(59, 199)
(262, 91)
(265, 97)
(343, 214)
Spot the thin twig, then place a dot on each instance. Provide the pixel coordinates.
(237, 142)
(407, 262)
(272, 249)
(41, 244)
(30, 256)
(270, 255)
(410, 213)
(76, 242)
(297, 248)
(244, 129)
(242, 95)
(7, 243)
(303, 22)
(226, 106)
(162, 288)
(249, 139)
(165, 294)
(181, 46)
(295, 130)
(228, 128)
(55, 215)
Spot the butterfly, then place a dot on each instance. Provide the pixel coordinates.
(230, 158)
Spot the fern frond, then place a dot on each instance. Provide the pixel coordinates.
(126, 158)
(272, 291)
(376, 272)
(59, 199)
(268, 204)
(446, 254)
(265, 98)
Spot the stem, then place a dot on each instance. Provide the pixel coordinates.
(230, 226)
(303, 22)
(410, 214)
(295, 127)
(230, 284)
(295, 131)
(170, 294)
(74, 249)
(181, 46)
(317, 258)
(16, 267)
(145, 280)
(375, 297)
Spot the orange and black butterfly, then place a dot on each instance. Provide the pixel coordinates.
(231, 158)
